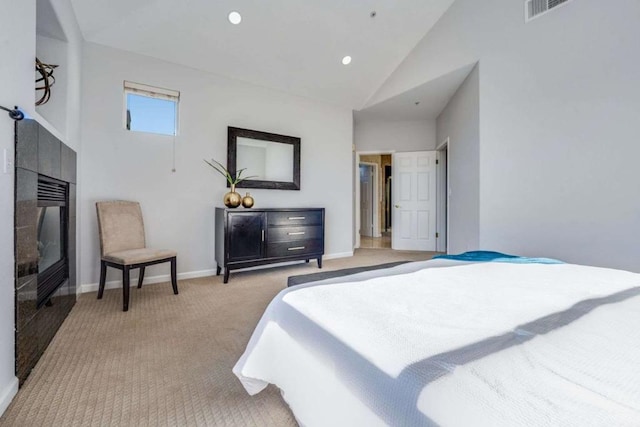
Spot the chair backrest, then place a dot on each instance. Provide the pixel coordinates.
(120, 225)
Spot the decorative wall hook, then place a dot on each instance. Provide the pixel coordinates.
(15, 114)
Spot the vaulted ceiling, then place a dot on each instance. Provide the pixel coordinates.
(290, 45)
(422, 102)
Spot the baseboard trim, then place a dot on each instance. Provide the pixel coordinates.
(339, 255)
(7, 395)
(117, 284)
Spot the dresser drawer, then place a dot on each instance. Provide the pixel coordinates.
(290, 234)
(295, 218)
(297, 248)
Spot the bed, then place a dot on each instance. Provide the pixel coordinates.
(503, 342)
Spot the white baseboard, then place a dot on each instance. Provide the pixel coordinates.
(339, 255)
(7, 395)
(117, 284)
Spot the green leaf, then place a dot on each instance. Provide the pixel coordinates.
(218, 167)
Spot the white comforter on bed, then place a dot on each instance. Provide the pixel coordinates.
(482, 344)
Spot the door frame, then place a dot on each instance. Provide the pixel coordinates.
(443, 194)
(356, 169)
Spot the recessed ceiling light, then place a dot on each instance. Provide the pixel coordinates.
(346, 60)
(235, 18)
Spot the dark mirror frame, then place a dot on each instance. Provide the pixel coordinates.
(232, 147)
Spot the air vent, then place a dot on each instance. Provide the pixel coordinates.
(536, 8)
(51, 191)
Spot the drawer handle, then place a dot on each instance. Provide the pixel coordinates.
(296, 233)
(296, 217)
(297, 248)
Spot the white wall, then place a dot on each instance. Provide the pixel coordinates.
(383, 135)
(559, 102)
(459, 122)
(61, 115)
(17, 46)
(72, 74)
(179, 207)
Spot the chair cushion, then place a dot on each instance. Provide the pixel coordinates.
(136, 256)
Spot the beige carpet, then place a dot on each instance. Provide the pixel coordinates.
(166, 362)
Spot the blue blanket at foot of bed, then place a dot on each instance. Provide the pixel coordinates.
(488, 256)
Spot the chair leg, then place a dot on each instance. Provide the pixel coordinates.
(141, 277)
(103, 278)
(125, 288)
(174, 278)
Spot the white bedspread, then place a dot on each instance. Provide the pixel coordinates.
(483, 344)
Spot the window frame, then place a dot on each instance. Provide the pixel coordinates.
(149, 92)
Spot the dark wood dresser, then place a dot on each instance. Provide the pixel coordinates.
(251, 237)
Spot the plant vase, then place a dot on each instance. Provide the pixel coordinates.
(247, 201)
(232, 199)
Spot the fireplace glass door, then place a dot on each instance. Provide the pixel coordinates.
(53, 269)
(50, 243)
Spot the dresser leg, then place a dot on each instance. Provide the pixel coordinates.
(218, 269)
(226, 275)
(307, 261)
(320, 262)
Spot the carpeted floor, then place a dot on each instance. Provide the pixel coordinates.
(166, 362)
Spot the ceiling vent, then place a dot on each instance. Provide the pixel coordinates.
(536, 8)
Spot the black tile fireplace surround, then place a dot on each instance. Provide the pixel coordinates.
(45, 204)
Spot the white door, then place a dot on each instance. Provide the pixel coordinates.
(366, 200)
(414, 201)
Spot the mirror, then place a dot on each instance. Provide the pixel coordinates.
(272, 160)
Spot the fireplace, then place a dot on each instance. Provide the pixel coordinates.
(53, 265)
(45, 240)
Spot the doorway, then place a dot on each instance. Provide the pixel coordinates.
(375, 192)
(367, 199)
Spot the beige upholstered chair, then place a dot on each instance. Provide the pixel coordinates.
(122, 245)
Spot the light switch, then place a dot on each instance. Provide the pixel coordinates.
(7, 162)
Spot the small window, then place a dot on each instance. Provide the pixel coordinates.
(151, 109)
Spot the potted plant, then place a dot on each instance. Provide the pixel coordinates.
(231, 199)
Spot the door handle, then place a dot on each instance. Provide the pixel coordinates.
(296, 233)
